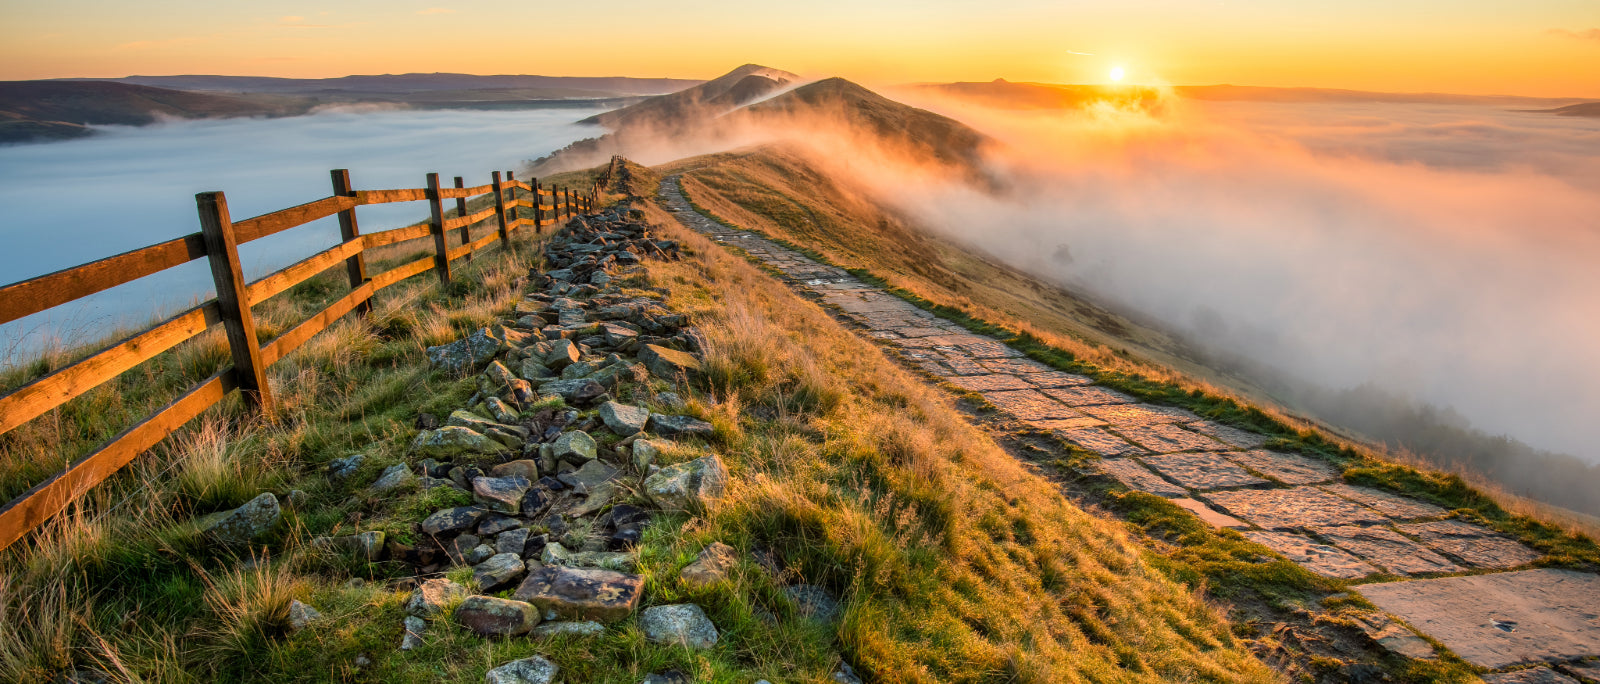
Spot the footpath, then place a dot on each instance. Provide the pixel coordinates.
(1464, 586)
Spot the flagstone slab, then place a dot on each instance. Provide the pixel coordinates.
(1059, 424)
(1091, 395)
(919, 331)
(1056, 379)
(936, 368)
(991, 383)
(1319, 558)
(1210, 516)
(1387, 549)
(1392, 505)
(1286, 468)
(1532, 675)
(1201, 471)
(1144, 414)
(1015, 366)
(1474, 545)
(1244, 439)
(1135, 476)
(1101, 442)
(1164, 439)
(1029, 404)
(1588, 671)
(1501, 619)
(1292, 508)
(989, 349)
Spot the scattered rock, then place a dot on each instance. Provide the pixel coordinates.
(687, 486)
(471, 421)
(500, 494)
(563, 353)
(813, 602)
(415, 627)
(668, 677)
(434, 596)
(591, 474)
(672, 426)
(242, 524)
(465, 354)
(451, 520)
(499, 570)
(682, 624)
(713, 565)
(574, 447)
(367, 546)
(584, 628)
(392, 478)
(342, 468)
(846, 675)
(644, 453)
(533, 670)
(490, 616)
(512, 541)
(476, 554)
(576, 392)
(301, 615)
(669, 364)
(623, 419)
(582, 593)
(1394, 637)
(452, 440)
(525, 467)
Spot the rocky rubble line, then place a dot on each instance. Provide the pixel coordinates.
(554, 518)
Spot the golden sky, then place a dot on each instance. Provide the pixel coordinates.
(1521, 47)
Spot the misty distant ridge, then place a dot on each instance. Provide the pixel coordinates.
(610, 86)
(1028, 95)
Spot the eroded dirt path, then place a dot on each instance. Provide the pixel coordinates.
(1459, 582)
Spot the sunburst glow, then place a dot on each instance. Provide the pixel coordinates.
(1116, 74)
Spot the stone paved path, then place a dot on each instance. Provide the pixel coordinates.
(1286, 502)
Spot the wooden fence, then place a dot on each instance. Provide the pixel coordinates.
(218, 242)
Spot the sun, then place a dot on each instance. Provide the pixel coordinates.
(1116, 74)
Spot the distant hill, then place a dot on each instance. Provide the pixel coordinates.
(575, 86)
(1585, 109)
(905, 128)
(33, 110)
(693, 106)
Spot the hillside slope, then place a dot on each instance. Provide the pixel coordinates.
(61, 109)
(692, 107)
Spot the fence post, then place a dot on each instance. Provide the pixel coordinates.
(538, 220)
(461, 211)
(500, 208)
(222, 251)
(441, 250)
(349, 231)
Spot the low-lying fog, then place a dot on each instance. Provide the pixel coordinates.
(69, 203)
(1447, 255)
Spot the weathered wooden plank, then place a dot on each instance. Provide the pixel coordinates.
(521, 203)
(473, 246)
(453, 193)
(291, 340)
(388, 196)
(284, 219)
(290, 276)
(459, 221)
(48, 498)
(33, 295)
(222, 251)
(389, 237)
(399, 273)
(35, 398)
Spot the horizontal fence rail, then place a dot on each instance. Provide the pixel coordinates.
(218, 243)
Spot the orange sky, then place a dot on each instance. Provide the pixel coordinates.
(1526, 47)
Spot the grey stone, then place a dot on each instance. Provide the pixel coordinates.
(846, 675)
(244, 523)
(575, 392)
(393, 478)
(502, 412)
(531, 670)
(341, 468)
(465, 354)
(671, 426)
(434, 596)
(591, 474)
(644, 453)
(498, 571)
(512, 541)
(575, 628)
(713, 564)
(1532, 675)
(598, 497)
(367, 546)
(669, 364)
(688, 486)
(454, 440)
(500, 494)
(683, 624)
(470, 420)
(1394, 637)
(414, 629)
(582, 593)
(452, 520)
(527, 468)
(813, 602)
(563, 353)
(574, 447)
(477, 554)
(623, 419)
(535, 371)
(492, 616)
(581, 369)
(301, 615)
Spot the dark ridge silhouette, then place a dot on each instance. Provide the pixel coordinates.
(59, 109)
(693, 106)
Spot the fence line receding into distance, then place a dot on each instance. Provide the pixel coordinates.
(218, 242)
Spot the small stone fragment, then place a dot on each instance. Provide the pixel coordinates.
(451, 520)
(341, 468)
(682, 624)
(624, 419)
(393, 478)
(672, 426)
(533, 670)
(498, 571)
(688, 486)
(244, 523)
(500, 494)
(525, 467)
(301, 615)
(433, 596)
(813, 602)
(583, 628)
(711, 567)
(453, 440)
(492, 616)
(669, 364)
(414, 627)
(574, 447)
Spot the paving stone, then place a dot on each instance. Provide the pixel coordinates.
(1015, 366)
(1056, 379)
(1101, 442)
(1244, 439)
(1143, 414)
(1090, 395)
(1286, 468)
(1474, 545)
(966, 365)
(989, 349)
(1292, 508)
(936, 368)
(1318, 558)
(1588, 671)
(1501, 619)
(1387, 549)
(1135, 476)
(1202, 471)
(990, 383)
(1392, 505)
(918, 331)
(1532, 675)
(1395, 637)
(1030, 405)
(1165, 438)
(1210, 516)
(1059, 424)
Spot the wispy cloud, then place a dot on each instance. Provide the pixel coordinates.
(1589, 35)
(436, 10)
(1075, 52)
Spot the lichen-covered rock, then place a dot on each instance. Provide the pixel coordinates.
(470, 420)
(683, 624)
(393, 477)
(341, 468)
(244, 523)
(813, 602)
(575, 392)
(669, 364)
(644, 453)
(591, 474)
(532, 670)
(452, 520)
(563, 353)
(454, 440)
(671, 426)
(624, 419)
(688, 486)
(577, 628)
(301, 615)
(525, 467)
(414, 627)
(467, 353)
(716, 560)
(492, 616)
(498, 571)
(502, 411)
(500, 494)
(433, 597)
(582, 593)
(574, 447)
